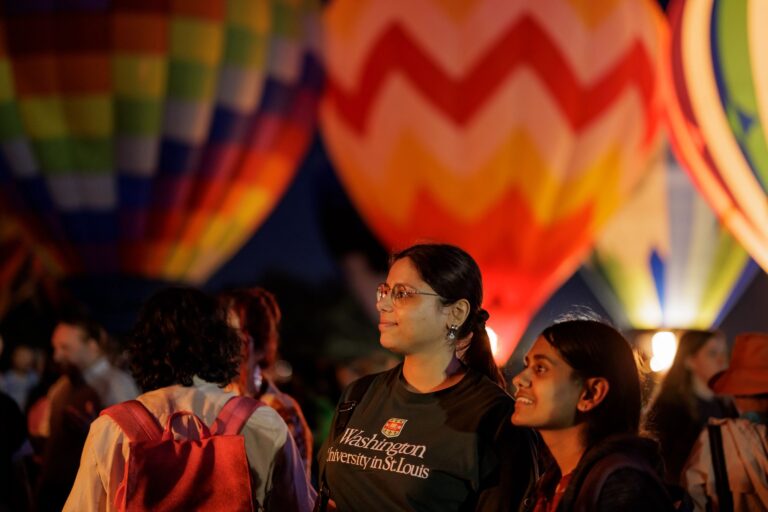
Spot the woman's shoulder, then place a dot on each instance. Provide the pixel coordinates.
(356, 389)
(632, 488)
(475, 383)
(622, 473)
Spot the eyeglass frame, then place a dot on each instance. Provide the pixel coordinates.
(410, 292)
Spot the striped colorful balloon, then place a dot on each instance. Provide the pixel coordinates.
(511, 128)
(154, 137)
(665, 259)
(718, 115)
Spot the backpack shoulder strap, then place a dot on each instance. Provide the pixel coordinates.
(234, 415)
(349, 400)
(724, 496)
(135, 420)
(592, 486)
(346, 406)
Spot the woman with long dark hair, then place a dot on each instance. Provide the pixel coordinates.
(580, 389)
(684, 402)
(434, 432)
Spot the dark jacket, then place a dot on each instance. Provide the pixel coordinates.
(627, 489)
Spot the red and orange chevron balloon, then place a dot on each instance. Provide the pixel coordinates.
(510, 128)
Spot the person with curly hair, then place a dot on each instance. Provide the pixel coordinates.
(183, 353)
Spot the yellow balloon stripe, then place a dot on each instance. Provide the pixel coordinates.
(517, 164)
(757, 20)
(728, 265)
(590, 16)
(211, 238)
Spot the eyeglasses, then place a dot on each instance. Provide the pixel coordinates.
(398, 293)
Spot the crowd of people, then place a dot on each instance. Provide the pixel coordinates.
(199, 422)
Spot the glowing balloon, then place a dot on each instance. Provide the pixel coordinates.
(665, 259)
(719, 110)
(153, 138)
(511, 128)
(25, 271)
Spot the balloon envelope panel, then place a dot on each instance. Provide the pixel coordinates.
(513, 129)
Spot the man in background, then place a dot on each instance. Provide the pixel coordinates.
(89, 383)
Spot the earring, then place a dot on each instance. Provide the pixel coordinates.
(453, 330)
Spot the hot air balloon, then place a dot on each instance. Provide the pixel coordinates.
(665, 259)
(153, 138)
(510, 128)
(718, 112)
(26, 269)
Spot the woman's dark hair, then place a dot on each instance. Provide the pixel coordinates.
(180, 333)
(677, 385)
(595, 349)
(454, 275)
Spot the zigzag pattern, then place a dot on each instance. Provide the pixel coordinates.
(395, 53)
(456, 40)
(411, 168)
(517, 279)
(471, 153)
(512, 154)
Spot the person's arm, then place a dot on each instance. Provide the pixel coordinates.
(290, 488)
(88, 492)
(697, 471)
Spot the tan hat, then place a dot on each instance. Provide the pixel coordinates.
(748, 371)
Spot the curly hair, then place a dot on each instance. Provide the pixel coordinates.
(180, 333)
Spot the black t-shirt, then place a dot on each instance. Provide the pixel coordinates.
(453, 449)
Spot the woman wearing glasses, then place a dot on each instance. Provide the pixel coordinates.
(433, 433)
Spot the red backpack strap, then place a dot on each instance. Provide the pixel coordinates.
(234, 415)
(135, 420)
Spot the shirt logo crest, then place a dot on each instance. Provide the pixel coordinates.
(393, 427)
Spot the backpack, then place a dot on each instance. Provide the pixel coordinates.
(164, 474)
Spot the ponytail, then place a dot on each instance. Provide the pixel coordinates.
(478, 354)
(454, 275)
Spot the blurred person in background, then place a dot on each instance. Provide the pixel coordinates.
(89, 383)
(184, 354)
(742, 441)
(22, 376)
(15, 493)
(684, 401)
(255, 314)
